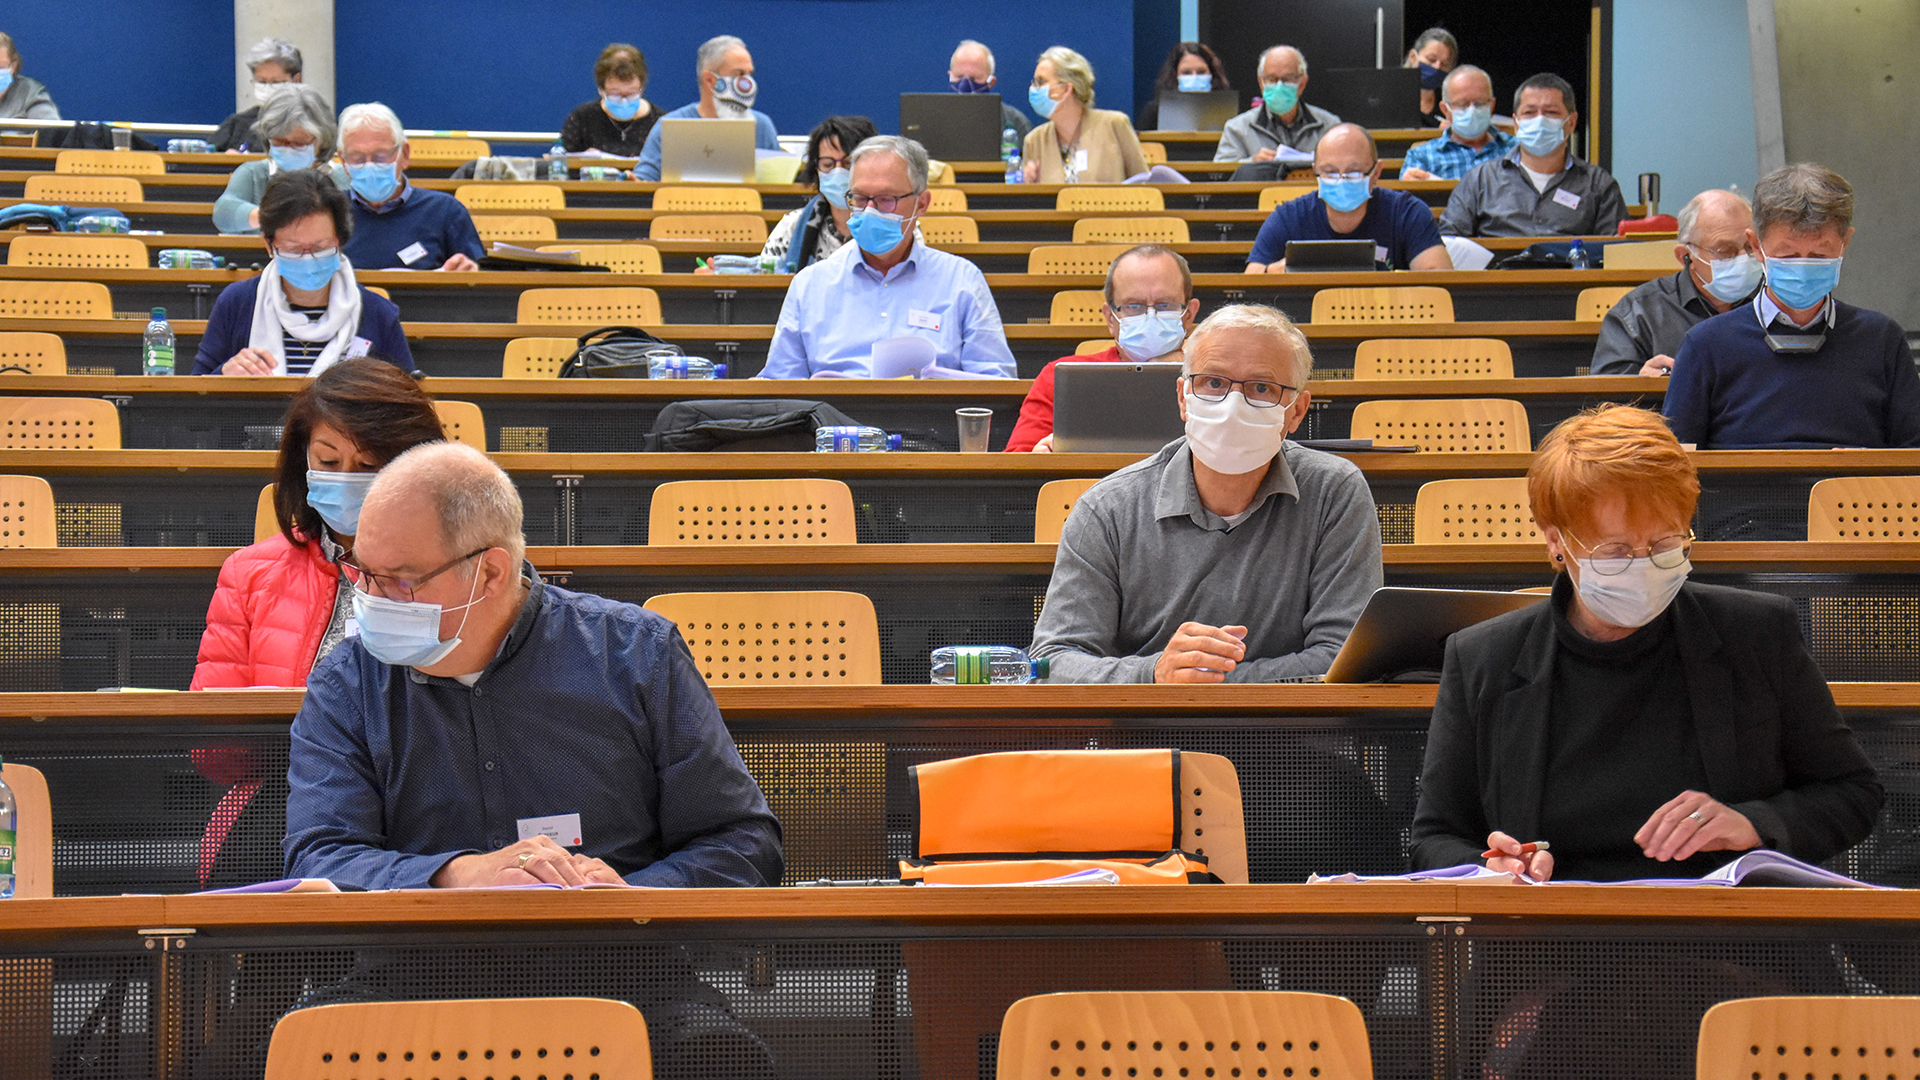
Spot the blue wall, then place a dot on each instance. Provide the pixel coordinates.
(1683, 97)
(130, 59)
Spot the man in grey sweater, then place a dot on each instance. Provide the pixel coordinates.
(1229, 556)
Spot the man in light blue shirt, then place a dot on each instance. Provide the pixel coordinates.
(727, 92)
(886, 284)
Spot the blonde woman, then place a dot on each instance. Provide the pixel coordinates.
(1078, 144)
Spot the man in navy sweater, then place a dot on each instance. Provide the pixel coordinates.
(397, 226)
(1795, 368)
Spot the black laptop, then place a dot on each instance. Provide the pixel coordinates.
(954, 127)
(1115, 408)
(1370, 97)
(1331, 256)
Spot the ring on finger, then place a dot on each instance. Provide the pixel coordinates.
(1696, 816)
(524, 859)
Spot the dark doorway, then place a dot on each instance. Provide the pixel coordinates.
(1513, 41)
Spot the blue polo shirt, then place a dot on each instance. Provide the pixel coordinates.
(1400, 226)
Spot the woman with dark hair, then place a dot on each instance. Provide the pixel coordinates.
(304, 312)
(281, 604)
(1435, 52)
(1191, 67)
(816, 230)
(617, 122)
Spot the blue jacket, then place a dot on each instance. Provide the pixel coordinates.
(230, 327)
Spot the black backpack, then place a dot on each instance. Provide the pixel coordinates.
(735, 425)
(615, 352)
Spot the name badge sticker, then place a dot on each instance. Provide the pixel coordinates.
(562, 829)
(1380, 254)
(357, 347)
(412, 253)
(1566, 198)
(1080, 161)
(924, 320)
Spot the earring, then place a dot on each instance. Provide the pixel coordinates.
(1559, 558)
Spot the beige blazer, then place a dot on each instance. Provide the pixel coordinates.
(1113, 150)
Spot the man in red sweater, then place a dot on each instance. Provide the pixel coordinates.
(1150, 309)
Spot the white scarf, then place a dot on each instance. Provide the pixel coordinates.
(274, 318)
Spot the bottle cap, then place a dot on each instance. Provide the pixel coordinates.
(1040, 667)
(719, 371)
(893, 442)
(160, 313)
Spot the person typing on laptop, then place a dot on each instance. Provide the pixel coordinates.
(1230, 555)
(1350, 204)
(727, 92)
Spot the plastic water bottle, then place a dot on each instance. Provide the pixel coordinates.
(100, 223)
(744, 264)
(189, 146)
(156, 345)
(189, 259)
(684, 367)
(1010, 153)
(981, 664)
(9, 829)
(1577, 256)
(557, 162)
(846, 438)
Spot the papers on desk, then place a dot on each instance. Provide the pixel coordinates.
(1093, 875)
(1759, 868)
(1289, 156)
(1465, 874)
(284, 885)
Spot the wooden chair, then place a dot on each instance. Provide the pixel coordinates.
(68, 189)
(1078, 307)
(110, 162)
(78, 251)
(33, 862)
(955, 229)
(490, 1036)
(1053, 505)
(1154, 152)
(1097, 345)
(1395, 304)
(1109, 198)
(1187, 1033)
(1855, 509)
(536, 357)
(511, 196)
(619, 258)
(1458, 425)
(706, 513)
(1433, 358)
(56, 423)
(266, 523)
(778, 638)
(55, 300)
(722, 228)
(26, 513)
(447, 151)
(1481, 510)
(1073, 258)
(621, 305)
(379, 291)
(1810, 1036)
(1593, 304)
(35, 352)
(947, 201)
(1272, 197)
(707, 200)
(514, 229)
(463, 423)
(1639, 255)
(1149, 230)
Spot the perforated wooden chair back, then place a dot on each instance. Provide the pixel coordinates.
(702, 513)
(110, 162)
(1593, 304)
(55, 300)
(536, 357)
(26, 513)
(69, 189)
(1433, 358)
(624, 305)
(619, 258)
(947, 201)
(33, 861)
(949, 229)
(1077, 307)
(707, 200)
(777, 638)
(1864, 508)
(38, 353)
(722, 228)
(1639, 255)
(1809, 1036)
(1131, 198)
(1479, 510)
(522, 229)
(58, 423)
(1281, 193)
(1185, 1033)
(1395, 304)
(447, 151)
(1054, 503)
(1073, 258)
(482, 1037)
(1489, 425)
(1097, 345)
(463, 423)
(266, 524)
(511, 196)
(78, 251)
(1154, 152)
(1146, 230)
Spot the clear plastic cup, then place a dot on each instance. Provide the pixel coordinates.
(976, 427)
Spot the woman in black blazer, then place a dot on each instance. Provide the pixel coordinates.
(1643, 725)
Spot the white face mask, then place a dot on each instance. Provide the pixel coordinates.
(1635, 596)
(1232, 436)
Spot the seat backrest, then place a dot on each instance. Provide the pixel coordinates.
(69, 189)
(26, 513)
(1492, 425)
(778, 638)
(947, 201)
(1054, 503)
(1154, 152)
(58, 423)
(55, 300)
(1185, 1033)
(1640, 255)
(619, 258)
(492, 1036)
(1814, 1036)
(1077, 307)
(1394, 304)
(511, 196)
(520, 229)
(1477, 510)
(702, 513)
(1848, 509)
(723, 228)
(952, 229)
(1097, 345)
(463, 423)
(40, 354)
(1073, 258)
(1658, 223)
(1110, 197)
(33, 838)
(78, 251)
(940, 172)
(1433, 358)
(266, 524)
(1271, 197)
(707, 200)
(1139, 230)
(1593, 304)
(110, 162)
(620, 305)
(536, 357)
(447, 151)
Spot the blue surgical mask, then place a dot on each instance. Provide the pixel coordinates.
(1346, 193)
(1472, 121)
(875, 232)
(621, 108)
(1541, 135)
(1280, 97)
(1733, 279)
(1151, 335)
(965, 85)
(833, 187)
(287, 158)
(375, 182)
(336, 497)
(6, 79)
(406, 633)
(1195, 84)
(1801, 283)
(1431, 77)
(741, 90)
(1042, 104)
(309, 272)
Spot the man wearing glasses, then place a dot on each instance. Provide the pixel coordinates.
(397, 226)
(1230, 555)
(887, 284)
(1349, 204)
(1718, 272)
(1280, 119)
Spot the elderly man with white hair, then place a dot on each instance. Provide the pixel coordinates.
(297, 126)
(1281, 118)
(972, 71)
(1718, 272)
(727, 92)
(397, 226)
(1231, 555)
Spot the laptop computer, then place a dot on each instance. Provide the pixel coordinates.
(954, 127)
(1370, 97)
(1115, 408)
(1205, 111)
(698, 150)
(1402, 633)
(1331, 256)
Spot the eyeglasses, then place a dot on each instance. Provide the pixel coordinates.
(883, 203)
(1342, 175)
(1667, 553)
(385, 157)
(1291, 80)
(327, 248)
(394, 588)
(1164, 307)
(1715, 255)
(1259, 393)
(828, 164)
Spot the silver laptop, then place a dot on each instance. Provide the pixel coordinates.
(1115, 408)
(1206, 111)
(697, 150)
(1402, 634)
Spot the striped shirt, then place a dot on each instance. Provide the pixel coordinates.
(302, 354)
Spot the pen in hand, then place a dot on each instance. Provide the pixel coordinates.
(1525, 850)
